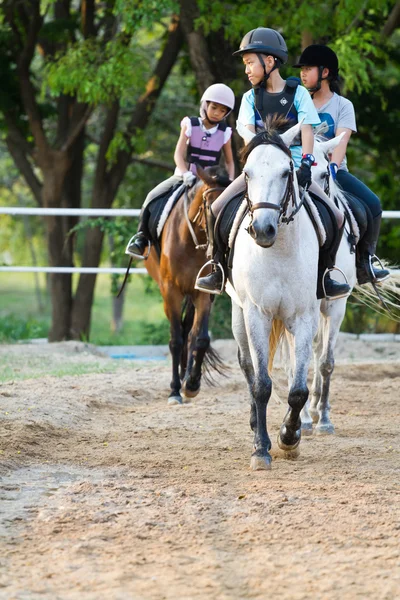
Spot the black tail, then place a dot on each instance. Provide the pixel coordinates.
(213, 362)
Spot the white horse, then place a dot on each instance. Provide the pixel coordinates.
(274, 276)
(332, 312)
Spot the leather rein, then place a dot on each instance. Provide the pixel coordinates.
(186, 210)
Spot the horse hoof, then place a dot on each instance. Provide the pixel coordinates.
(190, 393)
(174, 400)
(306, 429)
(260, 463)
(288, 447)
(325, 429)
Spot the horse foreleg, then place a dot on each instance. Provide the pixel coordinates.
(172, 307)
(327, 364)
(244, 357)
(258, 329)
(290, 432)
(199, 342)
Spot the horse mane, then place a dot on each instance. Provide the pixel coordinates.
(274, 126)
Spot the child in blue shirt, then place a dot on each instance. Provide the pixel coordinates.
(263, 51)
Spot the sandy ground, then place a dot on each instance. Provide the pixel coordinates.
(108, 493)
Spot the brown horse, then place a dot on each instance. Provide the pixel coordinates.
(175, 272)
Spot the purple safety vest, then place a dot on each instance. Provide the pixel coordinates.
(204, 148)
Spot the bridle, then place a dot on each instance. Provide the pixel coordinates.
(206, 192)
(289, 197)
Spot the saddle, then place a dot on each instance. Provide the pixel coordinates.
(323, 219)
(158, 210)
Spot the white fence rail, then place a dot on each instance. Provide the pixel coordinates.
(92, 212)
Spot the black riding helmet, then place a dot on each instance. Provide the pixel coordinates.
(264, 41)
(318, 55)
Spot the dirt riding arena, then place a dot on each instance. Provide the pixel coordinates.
(108, 493)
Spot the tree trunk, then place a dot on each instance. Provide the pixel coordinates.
(107, 181)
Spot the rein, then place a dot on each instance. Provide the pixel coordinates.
(289, 197)
(186, 210)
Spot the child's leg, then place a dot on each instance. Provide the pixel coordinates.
(139, 242)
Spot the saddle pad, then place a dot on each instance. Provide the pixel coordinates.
(359, 211)
(156, 209)
(225, 220)
(327, 218)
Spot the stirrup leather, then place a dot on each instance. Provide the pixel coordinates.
(138, 256)
(214, 264)
(371, 259)
(345, 295)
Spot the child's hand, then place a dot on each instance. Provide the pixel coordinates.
(189, 178)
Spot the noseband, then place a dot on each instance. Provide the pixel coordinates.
(288, 197)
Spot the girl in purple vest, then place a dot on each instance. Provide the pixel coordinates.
(201, 141)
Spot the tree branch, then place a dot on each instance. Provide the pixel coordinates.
(159, 164)
(18, 153)
(77, 129)
(147, 101)
(198, 50)
(393, 21)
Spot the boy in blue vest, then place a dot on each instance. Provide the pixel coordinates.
(201, 141)
(263, 52)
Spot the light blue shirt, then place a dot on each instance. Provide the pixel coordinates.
(302, 103)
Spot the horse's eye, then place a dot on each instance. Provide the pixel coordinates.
(285, 174)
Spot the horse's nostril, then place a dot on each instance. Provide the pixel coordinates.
(270, 230)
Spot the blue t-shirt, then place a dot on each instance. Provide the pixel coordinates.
(303, 104)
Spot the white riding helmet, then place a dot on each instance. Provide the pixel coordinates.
(220, 93)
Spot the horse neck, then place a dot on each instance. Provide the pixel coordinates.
(196, 203)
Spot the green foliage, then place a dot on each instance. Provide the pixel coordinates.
(97, 72)
(139, 14)
(220, 319)
(15, 327)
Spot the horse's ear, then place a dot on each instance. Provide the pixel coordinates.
(244, 132)
(291, 133)
(204, 176)
(328, 146)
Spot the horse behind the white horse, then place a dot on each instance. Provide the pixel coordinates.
(274, 276)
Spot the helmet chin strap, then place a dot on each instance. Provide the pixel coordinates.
(266, 75)
(318, 86)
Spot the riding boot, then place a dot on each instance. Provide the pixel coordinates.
(140, 241)
(327, 287)
(213, 283)
(366, 272)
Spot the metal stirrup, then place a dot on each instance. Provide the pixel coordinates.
(138, 256)
(345, 295)
(371, 259)
(215, 264)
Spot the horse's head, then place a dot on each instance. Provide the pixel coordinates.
(323, 148)
(270, 178)
(212, 181)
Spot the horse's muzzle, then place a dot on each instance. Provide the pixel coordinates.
(263, 236)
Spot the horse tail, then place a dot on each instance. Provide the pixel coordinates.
(213, 362)
(275, 338)
(384, 298)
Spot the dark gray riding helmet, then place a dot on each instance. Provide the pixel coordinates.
(264, 41)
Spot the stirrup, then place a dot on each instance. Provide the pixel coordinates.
(371, 259)
(345, 295)
(214, 264)
(138, 256)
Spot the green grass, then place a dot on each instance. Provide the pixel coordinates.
(144, 319)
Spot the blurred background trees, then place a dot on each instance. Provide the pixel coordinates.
(92, 95)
